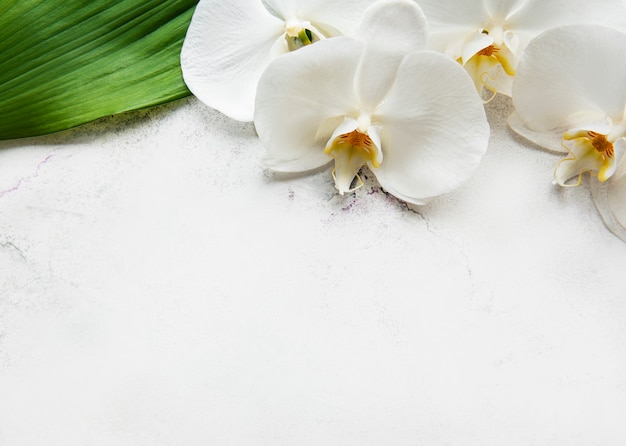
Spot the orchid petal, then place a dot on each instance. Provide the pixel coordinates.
(449, 43)
(226, 49)
(391, 29)
(396, 25)
(501, 10)
(279, 48)
(452, 14)
(281, 9)
(375, 76)
(331, 17)
(302, 98)
(451, 22)
(563, 73)
(539, 15)
(343, 16)
(610, 197)
(550, 140)
(434, 130)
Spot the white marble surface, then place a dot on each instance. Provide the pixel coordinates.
(158, 287)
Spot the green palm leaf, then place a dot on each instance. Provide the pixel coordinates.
(67, 62)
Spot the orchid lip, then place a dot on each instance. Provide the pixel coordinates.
(487, 57)
(352, 145)
(589, 151)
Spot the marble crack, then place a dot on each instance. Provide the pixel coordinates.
(464, 256)
(23, 180)
(14, 247)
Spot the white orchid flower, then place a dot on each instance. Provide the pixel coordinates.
(229, 43)
(410, 114)
(570, 96)
(488, 36)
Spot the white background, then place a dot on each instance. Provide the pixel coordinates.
(159, 287)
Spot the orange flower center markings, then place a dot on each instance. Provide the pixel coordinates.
(359, 141)
(351, 151)
(601, 144)
(489, 51)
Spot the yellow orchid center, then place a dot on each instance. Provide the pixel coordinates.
(489, 51)
(488, 55)
(602, 145)
(494, 52)
(351, 151)
(589, 151)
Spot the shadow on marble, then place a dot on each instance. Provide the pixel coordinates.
(112, 124)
